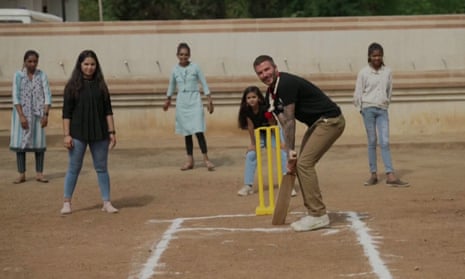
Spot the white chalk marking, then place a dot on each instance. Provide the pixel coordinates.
(152, 262)
(359, 227)
(361, 274)
(331, 231)
(369, 246)
(203, 218)
(266, 230)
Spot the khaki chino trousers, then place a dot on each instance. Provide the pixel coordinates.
(316, 141)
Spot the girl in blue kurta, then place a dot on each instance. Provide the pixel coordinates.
(31, 104)
(190, 118)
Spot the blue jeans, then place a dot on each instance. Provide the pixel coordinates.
(99, 151)
(377, 119)
(251, 159)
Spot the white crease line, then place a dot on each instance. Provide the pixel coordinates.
(235, 229)
(155, 221)
(149, 267)
(369, 247)
(357, 226)
(203, 218)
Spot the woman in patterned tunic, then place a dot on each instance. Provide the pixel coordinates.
(31, 105)
(190, 118)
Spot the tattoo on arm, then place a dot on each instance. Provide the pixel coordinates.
(287, 120)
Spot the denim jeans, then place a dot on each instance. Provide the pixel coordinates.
(99, 151)
(377, 119)
(251, 158)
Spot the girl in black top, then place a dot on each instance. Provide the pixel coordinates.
(87, 120)
(254, 114)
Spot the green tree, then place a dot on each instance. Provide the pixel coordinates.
(266, 8)
(212, 9)
(89, 11)
(237, 9)
(418, 7)
(324, 8)
(201, 9)
(163, 9)
(142, 9)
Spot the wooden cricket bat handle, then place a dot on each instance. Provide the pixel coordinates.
(292, 155)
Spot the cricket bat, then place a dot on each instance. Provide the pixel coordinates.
(283, 200)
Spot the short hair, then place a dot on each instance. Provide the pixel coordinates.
(262, 58)
(183, 45)
(372, 47)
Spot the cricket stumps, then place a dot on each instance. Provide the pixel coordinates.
(262, 208)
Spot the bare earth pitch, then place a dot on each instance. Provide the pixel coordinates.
(419, 231)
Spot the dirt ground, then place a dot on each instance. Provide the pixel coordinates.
(417, 232)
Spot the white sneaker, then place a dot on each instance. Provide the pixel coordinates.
(293, 193)
(245, 191)
(107, 207)
(66, 208)
(310, 223)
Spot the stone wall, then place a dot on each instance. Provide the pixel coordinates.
(426, 54)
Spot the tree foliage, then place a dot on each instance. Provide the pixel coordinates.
(214, 9)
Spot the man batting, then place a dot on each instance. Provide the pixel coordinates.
(291, 97)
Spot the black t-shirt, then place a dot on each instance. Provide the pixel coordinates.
(311, 103)
(259, 119)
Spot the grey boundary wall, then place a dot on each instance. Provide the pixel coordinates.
(426, 53)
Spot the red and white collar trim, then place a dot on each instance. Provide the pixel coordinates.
(272, 95)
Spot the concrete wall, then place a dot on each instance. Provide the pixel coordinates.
(426, 54)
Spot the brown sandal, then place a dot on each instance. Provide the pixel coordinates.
(187, 166)
(19, 180)
(209, 166)
(42, 179)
